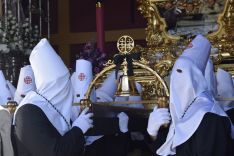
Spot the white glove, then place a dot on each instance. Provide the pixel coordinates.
(123, 122)
(83, 121)
(157, 118)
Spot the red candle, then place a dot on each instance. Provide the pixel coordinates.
(100, 27)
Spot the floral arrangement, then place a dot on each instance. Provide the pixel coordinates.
(10, 35)
(15, 38)
(30, 36)
(94, 55)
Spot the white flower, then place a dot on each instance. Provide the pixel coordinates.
(12, 45)
(3, 46)
(5, 51)
(20, 47)
(4, 39)
(25, 25)
(10, 16)
(13, 22)
(15, 38)
(25, 44)
(11, 32)
(28, 51)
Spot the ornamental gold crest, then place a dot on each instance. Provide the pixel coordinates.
(125, 44)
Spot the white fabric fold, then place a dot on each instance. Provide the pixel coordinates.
(108, 88)
(12, 88)
(225, 88)
(5, 132)
(5, 94)
(211, 78)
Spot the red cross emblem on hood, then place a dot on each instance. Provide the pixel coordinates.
(28, 80)
(81, 76)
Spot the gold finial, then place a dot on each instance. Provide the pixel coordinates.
(125, 44)
(98, 4)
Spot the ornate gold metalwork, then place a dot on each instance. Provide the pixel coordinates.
(149, 75)
(156, 26)
(154, 87)
(125, 44)
(126, 85)
(159, 42)
(150, 78)
(11, 106)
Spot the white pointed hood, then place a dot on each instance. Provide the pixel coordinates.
(108, 88)
(225, 88)
(197, 52)
(5, 94)
(26, 83)
(211, 80)
(52, 80)
(81, 80)
(189, 97)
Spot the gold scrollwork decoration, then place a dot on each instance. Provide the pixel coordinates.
(152, 83)
(161, 42)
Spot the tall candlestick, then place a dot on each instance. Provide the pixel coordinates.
(100, 27)
(5, 13)
(48, 18)
(40, 19)
(30, 13)
(18, 11)
(1, 8)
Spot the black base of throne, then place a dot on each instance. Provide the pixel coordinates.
(106, 121)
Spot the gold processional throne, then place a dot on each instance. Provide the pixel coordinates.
(151, 78)
(154, 87)
(171, 25)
